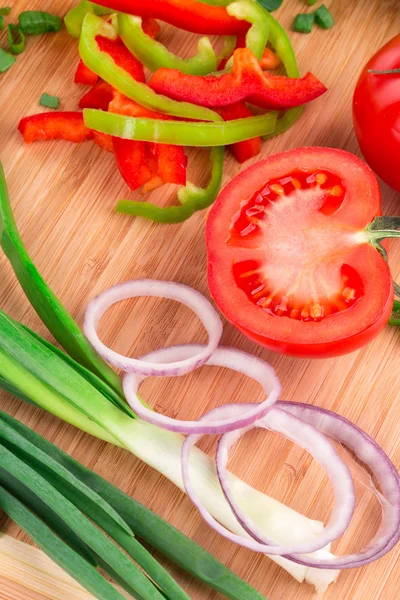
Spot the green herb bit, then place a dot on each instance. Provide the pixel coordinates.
(311, 2)
(395, 318)
(323, 17)
(303, 23)
(16, 39)
(36, 22)
(6, 60)
(270, 5)
(1, 22)
(49, 101)
(5, 11)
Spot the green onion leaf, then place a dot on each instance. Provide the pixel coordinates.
(49, 101)
(44, 301)
(37, 22)
(303, 23)
(5, 11)
(323, 17)
(16, 39)
(1, 22)
(311, 2)
(270, 5)
(6, 61)
(57, 550)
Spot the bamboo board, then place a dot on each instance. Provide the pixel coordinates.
(63, 196)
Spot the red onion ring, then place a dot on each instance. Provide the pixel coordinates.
(223, 357)
(161, 289)
(372, 455)
(311, 439)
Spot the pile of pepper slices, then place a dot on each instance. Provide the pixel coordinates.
(198, 101)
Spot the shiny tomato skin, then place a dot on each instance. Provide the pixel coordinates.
(339, 333)
(376, 113)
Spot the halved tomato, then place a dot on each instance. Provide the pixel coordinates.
(289, 261)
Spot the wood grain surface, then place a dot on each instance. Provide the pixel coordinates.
(64, 197)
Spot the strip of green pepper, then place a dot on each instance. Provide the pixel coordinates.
(155, 55)
(180, 133)
(257, 35)
(74, 18)
(104, 66)
(191, 197)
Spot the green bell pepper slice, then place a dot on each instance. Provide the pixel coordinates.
(257, 35)
(104, 66)
(395, 317)
(191, 197)
(180, 133)
(155, 55)
(74, 18)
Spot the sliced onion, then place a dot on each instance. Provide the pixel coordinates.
(308, 437)
(223, 357)
(160, 289)
(372, 455)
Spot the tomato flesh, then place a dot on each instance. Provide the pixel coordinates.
(289, 264)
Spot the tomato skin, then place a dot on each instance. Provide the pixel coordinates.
(376, 113)
(338, 333)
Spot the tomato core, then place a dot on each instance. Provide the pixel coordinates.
(306, 285)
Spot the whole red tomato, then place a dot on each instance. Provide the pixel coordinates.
(376, 113)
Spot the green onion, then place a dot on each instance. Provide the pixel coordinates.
(1, 22)
(311, 2)
(49, 101)
(5, 11)
(323, 17)
(6, 60)
(37, 22)
(270, 5)
(303, 23)
(16, 39)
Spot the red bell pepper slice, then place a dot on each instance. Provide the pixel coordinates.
(247, 82)
(122, 57)
(103, 140)
(151, 28)
(269, 60)
(165, 163)
(190, 15)
(84, 75)
(55, 126)
(242, 151)
(99, 96)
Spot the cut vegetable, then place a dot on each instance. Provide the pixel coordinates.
(159, 289)
(36, 22)
(16, 39)
(6, 60)
(323, 17)
(49, 101)
(229, 358)
(303, 23)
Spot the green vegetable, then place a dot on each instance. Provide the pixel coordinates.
(180, 133)
(395, 318)
(16, 39)
(36, 371)
(74, 18)
(270, 5)
(303, 23)
(191, 197)
(1, 22)
(104, 66)
(6, 60)
(311, 2)
(257, 35)
(37, 22)
(49, 101)
(323, 17)
(5, 11)
(155, 55)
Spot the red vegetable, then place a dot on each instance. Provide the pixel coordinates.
(99, 96)
(84, 75)
(289, 262)
(190, 15)
(242, 151)
(151, 28)
(103, 140)
(151, 164)
(247, 82)
(55, 126)
(122, 57)
(376, 113)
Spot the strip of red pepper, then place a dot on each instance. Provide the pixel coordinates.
(99, 96)
(190, 15)
(242, 151)
(247, 82)
(84, 75)
(146, 164)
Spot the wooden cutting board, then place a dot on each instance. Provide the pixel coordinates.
(64, 197)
